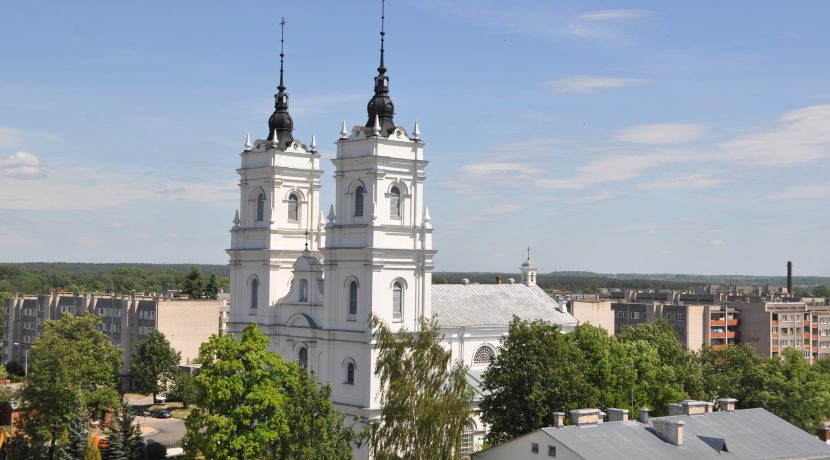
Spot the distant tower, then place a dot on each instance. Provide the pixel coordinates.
(528, 271)
(789, 278)
(278, 217)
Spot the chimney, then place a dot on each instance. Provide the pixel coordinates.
(824, 432)
(499, 280)
(691, 407)
(558, 419)
(585, 416)
(727, 404)
(675, 409)
(617, 415)
(709, 407)
(669, 429)
(644, 415)
(789, 278)
(601, 418)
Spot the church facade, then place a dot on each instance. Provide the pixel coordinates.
(310, 281)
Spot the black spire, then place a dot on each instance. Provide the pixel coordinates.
(381, 105)
(280, 122)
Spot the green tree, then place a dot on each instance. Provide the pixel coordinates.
(73, 367)
(193, 284)
(211, 290)
(424, 397)
(185, 389)
(92, 451)
(134, 445)
(251, 404)
(537, 372)
(78, 437)
(155, 364)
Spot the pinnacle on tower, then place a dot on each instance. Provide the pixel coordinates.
(381, 106)
(280, 125)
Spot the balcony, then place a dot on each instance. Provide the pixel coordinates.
(723, 335)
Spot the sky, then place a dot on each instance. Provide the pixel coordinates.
(637, 137)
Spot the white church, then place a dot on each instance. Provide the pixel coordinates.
(310, 281)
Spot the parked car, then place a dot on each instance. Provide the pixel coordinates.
(161, 413)
(161, 399)
(137, 411)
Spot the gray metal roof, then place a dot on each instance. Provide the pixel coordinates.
(747, 434)
(494, 305)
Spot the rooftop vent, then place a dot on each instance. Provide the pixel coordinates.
(465, 281)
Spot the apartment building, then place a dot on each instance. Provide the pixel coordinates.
(771, 326)
(698, 319)
(126, 320)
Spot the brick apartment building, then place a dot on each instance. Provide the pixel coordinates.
(126, 320)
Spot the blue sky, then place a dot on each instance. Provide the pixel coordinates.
(682, 137)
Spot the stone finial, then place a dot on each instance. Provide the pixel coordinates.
(416, 132)
(376, 127)
(320, 220)
(236, 220)
(427, 218)
(313, 144)
(331, 215)
(344, 133)
(248, 145)
(275, 141)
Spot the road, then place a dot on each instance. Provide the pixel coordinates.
(170, 430)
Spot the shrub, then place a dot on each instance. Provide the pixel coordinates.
(156, 450)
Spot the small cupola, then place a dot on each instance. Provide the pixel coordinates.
(280, 124)
(528, 270)
(381, 106)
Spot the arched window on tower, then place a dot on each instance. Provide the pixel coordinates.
(483, 356)
(395, 202)
(260, 207)
(293, 208)
(467, 441)
(397, 301)
(350, 374)
(358, 201)
(254, 292)
(352, 300)
(303, 290)
(302, 357)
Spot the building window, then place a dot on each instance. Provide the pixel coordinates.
(635, 315)
(260, 207)
(293, 208)
(254, 292)
(353, 298)
(551, 451)
(395, 202)
(358, 201)
(483, 356)
(302, 357)
(467, 442)
(303, 290)
(680, 316)
(350, 374)
(534, 448)
(774, 329)
(622, 314)
(774, 342)
(397, 301)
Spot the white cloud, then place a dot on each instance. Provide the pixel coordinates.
(717, 243)
(22, 165)
(615, 167)
(803, 192)
(498, 169)
(585, 84)
(801, 136)
(663, 133)
(324, 104)
(10, 138)
(615, 15)
(694, 181)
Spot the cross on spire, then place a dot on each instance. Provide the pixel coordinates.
(282, 52)
(528, 253)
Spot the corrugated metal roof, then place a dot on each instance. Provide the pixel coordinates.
(494, 305)
(747, 434)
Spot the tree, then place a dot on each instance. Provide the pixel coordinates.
(212, 287)
(424, 397)
(194, 283)
(134, 445)
(78, 435)
(92, 451)
(114, 449)
(185, 389)
(536, 373)
(155, 364)
(252, 404)
(73, 367)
